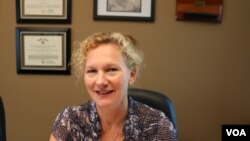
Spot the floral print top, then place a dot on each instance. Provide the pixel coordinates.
(143, 123)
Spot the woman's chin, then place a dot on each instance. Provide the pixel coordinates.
(104, 103)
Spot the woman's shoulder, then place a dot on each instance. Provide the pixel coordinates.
(148, 116)
(76, 112)
(154, 123)
(71, 121)
(77, 108)
(146, 110)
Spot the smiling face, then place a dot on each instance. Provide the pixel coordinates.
(107, 75)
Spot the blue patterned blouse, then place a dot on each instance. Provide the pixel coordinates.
(143, 123)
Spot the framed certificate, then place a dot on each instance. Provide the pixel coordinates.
(43, 11)
(126, 10)
(44, 51)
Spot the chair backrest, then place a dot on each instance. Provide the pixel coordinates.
(155, 100)
(2, 122)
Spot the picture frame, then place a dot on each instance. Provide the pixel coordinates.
(43, 50)
(124, 10)
(199, 10)
(43, 11)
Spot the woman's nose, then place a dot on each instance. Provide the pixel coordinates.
(101, 79)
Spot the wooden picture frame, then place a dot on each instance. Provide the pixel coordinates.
(199, 10)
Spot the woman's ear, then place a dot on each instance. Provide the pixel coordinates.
(133, 76)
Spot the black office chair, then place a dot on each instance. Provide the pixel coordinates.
(2, 122)
(155, 100)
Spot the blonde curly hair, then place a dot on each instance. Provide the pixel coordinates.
(126, 43)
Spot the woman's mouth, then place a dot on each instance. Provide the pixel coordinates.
(105, 92)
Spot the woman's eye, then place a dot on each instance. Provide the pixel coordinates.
(90, 71)
(112, 69)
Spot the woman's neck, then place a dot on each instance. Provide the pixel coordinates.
(111, 116)
(112, 120)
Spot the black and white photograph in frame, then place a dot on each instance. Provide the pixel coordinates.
(124, 5)
(124, 10)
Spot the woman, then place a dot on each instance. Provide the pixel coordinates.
(109, 64)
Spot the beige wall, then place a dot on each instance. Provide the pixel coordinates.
(203, 67)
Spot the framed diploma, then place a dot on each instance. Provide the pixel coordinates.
(125, 10)
(43, 11)
(43, 51)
